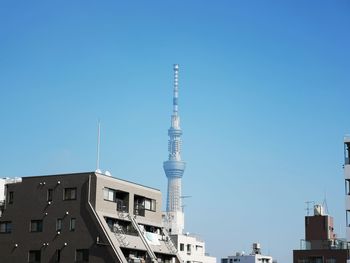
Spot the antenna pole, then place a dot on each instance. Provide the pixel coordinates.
(98, 145)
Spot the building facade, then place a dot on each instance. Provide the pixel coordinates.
(84, 217)
(347, 186)
(321, 244)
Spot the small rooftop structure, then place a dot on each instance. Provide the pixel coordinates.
(254, 257)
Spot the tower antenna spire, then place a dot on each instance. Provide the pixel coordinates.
(176, 89)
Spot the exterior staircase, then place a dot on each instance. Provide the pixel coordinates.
(144, 241)
(170, 244)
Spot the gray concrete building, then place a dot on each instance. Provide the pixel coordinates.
(83, 217)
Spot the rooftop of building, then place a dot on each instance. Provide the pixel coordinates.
(89, 173)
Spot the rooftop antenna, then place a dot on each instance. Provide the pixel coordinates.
(324, 204)
(308, 209)
(98, 146)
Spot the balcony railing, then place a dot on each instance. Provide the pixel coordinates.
(327, 244)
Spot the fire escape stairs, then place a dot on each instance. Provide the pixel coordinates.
(150, 252)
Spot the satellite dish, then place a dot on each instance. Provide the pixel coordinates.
(108, 173)
(98, 171)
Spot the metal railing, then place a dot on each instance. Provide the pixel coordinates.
(326, 244)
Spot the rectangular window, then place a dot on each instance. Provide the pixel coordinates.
(82, 255)
(188, 249)
(145, 203)
(182, 247)
(10, 198)
(36, 226)
(72, 224)
(49, 194)
(58, 255)
(5, 227)
(109, 194)
(58, 224)
(70, 193)
(34, 256)
(150, 204)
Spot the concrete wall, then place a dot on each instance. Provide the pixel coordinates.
(109, 208)
(30, 203)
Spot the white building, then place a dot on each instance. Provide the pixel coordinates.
(347, 185)
(254, 257)
(192, 249)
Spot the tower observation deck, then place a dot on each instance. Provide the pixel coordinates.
(174, 167)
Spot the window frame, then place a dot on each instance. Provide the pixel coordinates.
(182, 247)
(84, 255)
(107, 192)
(7, 227)
(72, 226)
(59, 224)
(39, 226)
(35, 253)
(49, 194)
(11, 197)
(58, 255)
(69, 196)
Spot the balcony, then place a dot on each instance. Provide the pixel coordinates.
(326, 244)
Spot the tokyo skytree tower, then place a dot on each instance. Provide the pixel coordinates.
(174, 167)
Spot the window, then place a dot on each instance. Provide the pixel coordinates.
(58, 224)
(10, 197)
(36, 226)
(109, 194)
(188, 248)
(82, 255)
(5, 227)
(34, 256)
(182, 247)
(145, 203)
(150, 204)
(58, 255)
(49, 194)
(72, 224)
(70, 193)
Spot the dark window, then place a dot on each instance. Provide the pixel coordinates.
(58, 255)
(10, 197)
(142, 203)
(34, 256)
(182, 247)
(70, 194)
(188, 248)
(36, 226)
(5, 227)
(82, 255)
(72, 224)
(49, 194)
(58, 224)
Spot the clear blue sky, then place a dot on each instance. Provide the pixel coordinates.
(264, 102)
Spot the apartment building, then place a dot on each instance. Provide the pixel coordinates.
(82, 217)
(320, 244)
(347, 186)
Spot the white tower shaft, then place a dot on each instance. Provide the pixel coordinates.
(174, 167)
